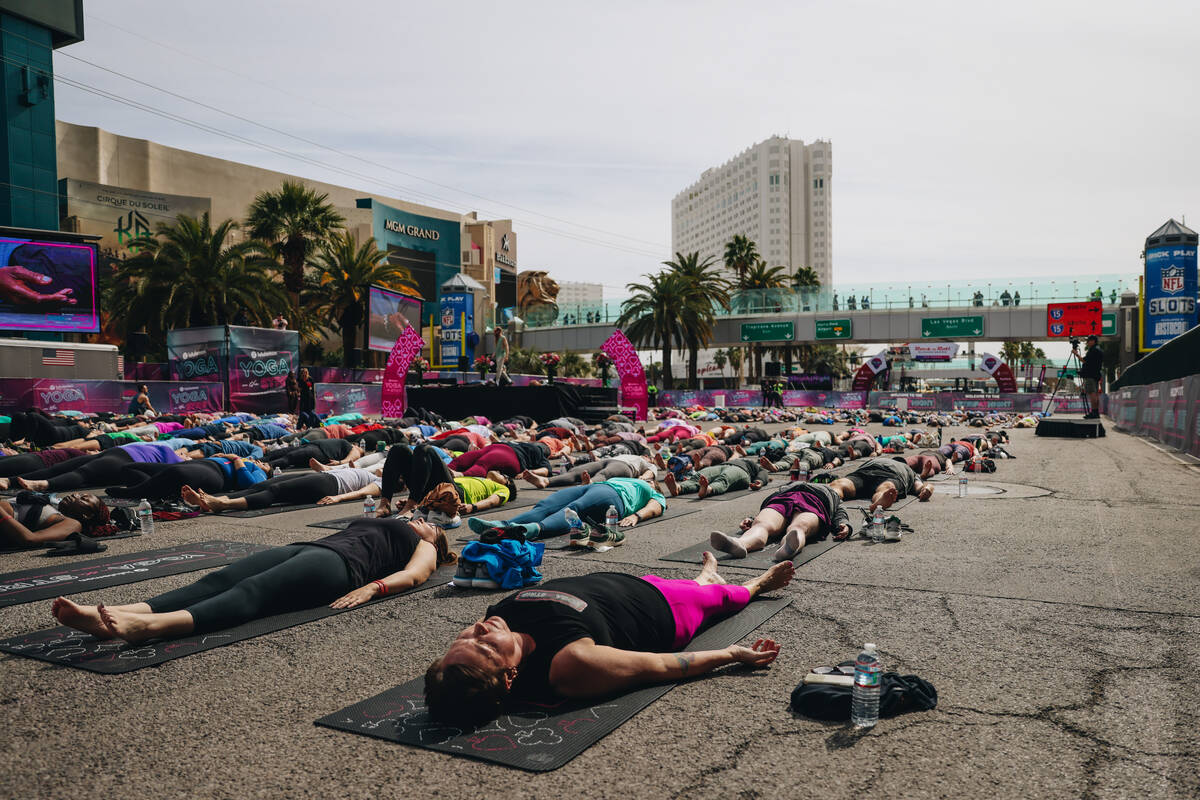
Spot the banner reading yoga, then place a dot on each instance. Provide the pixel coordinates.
(394, 398)
(630, 371)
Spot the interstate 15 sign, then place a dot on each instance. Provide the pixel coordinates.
(768, 331)
(1074, 319)
(834, 329)
(966, 327)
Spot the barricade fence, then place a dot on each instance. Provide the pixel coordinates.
(100, 396)
(1168, 411)
(914, 401)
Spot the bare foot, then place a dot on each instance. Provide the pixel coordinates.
(383, 508)
(746, 523)
(672, 484)
(535, 480)
(885, 498)
(708, 570)
(33, 486)
(727, 544)
(585, 478)
(741, 451)
(193, 498)
(790, 547)
(127, 625)
(211, 503)
(317, 466)
(776, 577)
(658, 460)
(766, 463)
(81, 618)
(702, 479)
(3, 483)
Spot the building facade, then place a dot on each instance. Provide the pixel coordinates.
(777, 193)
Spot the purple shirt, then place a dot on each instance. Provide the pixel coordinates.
(152, 453)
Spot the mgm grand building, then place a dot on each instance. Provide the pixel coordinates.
(121, 188)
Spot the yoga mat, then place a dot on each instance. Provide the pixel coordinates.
(47, 545)
(529, 736)
(58, 578)
(759, 559)
(865, 502)
(72, 648)
(522, 502)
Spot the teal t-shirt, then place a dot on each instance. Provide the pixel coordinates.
(635, 494)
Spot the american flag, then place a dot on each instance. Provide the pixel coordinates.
(58, 358)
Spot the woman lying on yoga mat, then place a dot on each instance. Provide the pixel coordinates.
(421, 469)
(213, 474)
(30, 521)
(378, 556)
(591, 636)
(602, 470)
(635, 501)
(100, 469)
(799, 512)
(300, 488)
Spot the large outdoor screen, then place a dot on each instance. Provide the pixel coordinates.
(48, 286)
(389, 313)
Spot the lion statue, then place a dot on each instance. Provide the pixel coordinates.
(537, 296)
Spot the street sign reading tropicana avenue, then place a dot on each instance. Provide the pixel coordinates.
(951, 327)
(768, 331)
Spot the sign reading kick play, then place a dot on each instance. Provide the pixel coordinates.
(768, 331)
(952, 327)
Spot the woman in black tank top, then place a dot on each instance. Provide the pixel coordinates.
(371, 557)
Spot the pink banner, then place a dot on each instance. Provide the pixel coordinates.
(630, 371)
(394, 399)
(345, 398)
(95, 396)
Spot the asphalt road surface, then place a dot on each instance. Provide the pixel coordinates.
(1059, 621)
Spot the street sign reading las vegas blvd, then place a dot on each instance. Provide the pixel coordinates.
(952, 327)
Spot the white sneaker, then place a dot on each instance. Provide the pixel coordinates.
(442, 519)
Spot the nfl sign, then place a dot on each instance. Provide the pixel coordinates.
(1169, 285)
(1172, 280)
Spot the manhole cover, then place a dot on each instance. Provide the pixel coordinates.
(972, 489)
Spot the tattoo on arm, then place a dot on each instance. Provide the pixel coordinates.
(685, 662)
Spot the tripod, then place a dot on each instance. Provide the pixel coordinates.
(1073, 356)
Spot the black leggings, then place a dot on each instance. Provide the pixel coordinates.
(600, 471)
(275, 581)
(420, 469)
(99, 469)
(12, 466)
(295, 456)
(288, 490)
(459, 444)
(156, 481)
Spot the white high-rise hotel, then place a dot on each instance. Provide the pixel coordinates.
(776, 192)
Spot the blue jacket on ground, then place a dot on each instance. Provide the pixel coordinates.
(510, 563)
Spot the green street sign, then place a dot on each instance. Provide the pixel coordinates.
(952, 327)
(768, 331)
(834, 329)
(1108, 324)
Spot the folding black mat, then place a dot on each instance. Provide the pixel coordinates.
(57, 578)
(523, 501)
(533, 737)
(46, 546)
(759, 559)
(1070, 428)
(72, 648)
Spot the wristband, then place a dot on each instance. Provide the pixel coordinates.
(382, 586)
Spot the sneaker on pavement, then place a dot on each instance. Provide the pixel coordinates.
(580, 536)
(601, 537)
(482, 579)
(479, 524)
(442, 519)
(464, 576)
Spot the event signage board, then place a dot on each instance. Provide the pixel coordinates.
(124, 218)
(48, 286)
(768, 331)
(631, 372)
(457, 320)
(933, 351)
(259, 363)
(1168, 294)
(388, 314)
(964, 327)
(100, 396)
(834, 329)
(393, 397)
(1074, 320)
(348, 398)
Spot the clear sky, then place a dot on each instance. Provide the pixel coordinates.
(973, 141)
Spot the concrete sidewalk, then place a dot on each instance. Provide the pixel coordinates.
(1058, 620)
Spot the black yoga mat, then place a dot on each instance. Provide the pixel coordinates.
(759, 559)
(522, 502)
(72, 648)
(57, 578)
(534, 737)
(262, 512)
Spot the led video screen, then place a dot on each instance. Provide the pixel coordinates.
(48, 286)
(389, 313)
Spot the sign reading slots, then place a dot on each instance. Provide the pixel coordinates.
(1073, 319)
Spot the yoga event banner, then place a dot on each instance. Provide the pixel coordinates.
(393, 399)
(344, 398)
(94, 396)
(630, 371)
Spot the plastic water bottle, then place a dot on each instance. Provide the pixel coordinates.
(877, 524)
(362, 445)
(276, 471)
(145, 516)
(369, 507)
(864, 701)
(802, 471)
(962, 484)
(574, 523)
(611, 520)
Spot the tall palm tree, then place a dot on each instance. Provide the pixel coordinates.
(741, 253)
(188, 275)
(651, 316)
(336, 288)
(704, 288)
(296, 220)
(806, 278)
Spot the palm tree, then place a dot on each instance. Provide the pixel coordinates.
(573, 365)
(703, 288)
(806, 278)
(189, 276)
(336, 289)
(651, 316)
(721, 358)
(740, 255)
(296, 220)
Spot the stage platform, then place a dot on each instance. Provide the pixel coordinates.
(540, 402)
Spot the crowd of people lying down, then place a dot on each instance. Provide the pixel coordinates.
(577, 636)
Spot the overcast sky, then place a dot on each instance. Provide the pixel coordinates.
(969, 141)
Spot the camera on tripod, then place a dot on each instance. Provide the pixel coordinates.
(1074, 343)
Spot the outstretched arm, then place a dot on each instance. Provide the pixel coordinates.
(415, 572)
(586, 669)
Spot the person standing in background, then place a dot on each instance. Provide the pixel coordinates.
(502, 378)
(292, 388)
(279, 323)
(308, 400)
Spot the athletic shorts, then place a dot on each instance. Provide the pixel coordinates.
(1091, 385)
(867, 479)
